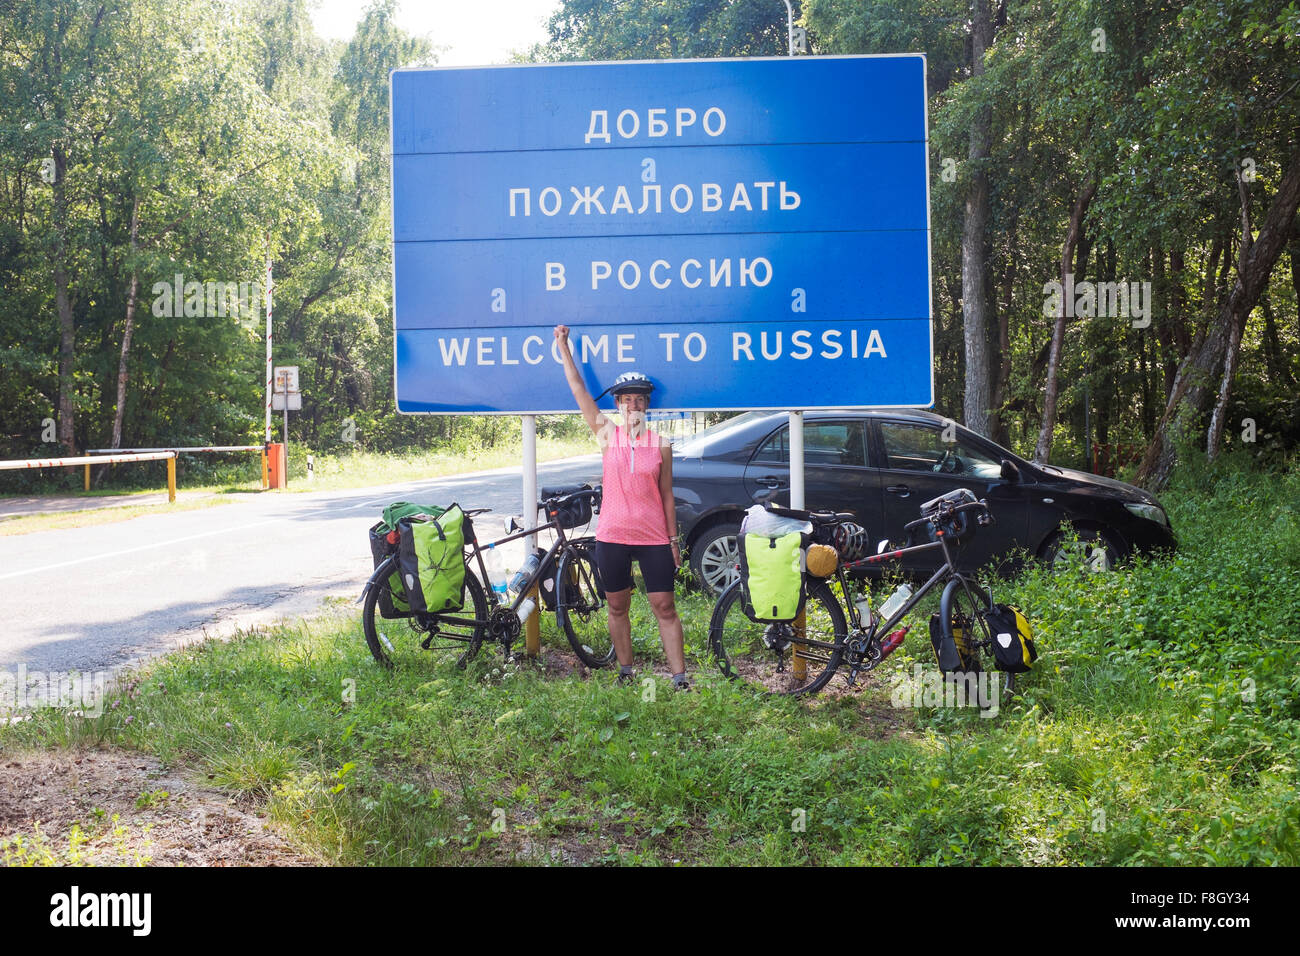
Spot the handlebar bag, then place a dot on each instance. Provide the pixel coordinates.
(954, 527)
(572, 512)
(1013, 640)
(431, 555)
(771, 576)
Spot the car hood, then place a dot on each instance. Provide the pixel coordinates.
(1119, 489)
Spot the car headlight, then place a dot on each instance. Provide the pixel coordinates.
(1153, 512)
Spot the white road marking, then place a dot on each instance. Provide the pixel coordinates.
(143, 547)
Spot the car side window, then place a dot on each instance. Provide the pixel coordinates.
(824, 443)
(776, 448)
(922, 448)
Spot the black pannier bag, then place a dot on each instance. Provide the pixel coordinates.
(392, 599)
(954, 655)
(1013, 641)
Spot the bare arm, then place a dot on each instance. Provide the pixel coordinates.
(666, 495)
(586, 404)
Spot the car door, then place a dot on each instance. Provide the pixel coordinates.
(918, 461)
(836, 476)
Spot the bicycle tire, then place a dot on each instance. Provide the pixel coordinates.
(966, 603)
(396, 639)
(742, 648)
(578, 602)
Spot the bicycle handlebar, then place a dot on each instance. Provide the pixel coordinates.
(568, 496)
(943, 512)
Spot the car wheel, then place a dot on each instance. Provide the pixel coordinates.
(1094, 550)
(715, 557)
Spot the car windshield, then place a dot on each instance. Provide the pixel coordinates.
(695, 444)
(910, 446)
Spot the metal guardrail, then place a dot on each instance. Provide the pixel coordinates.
(137, 454)
(176, 448)
(169, 456)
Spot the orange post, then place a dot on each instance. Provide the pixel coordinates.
(87, 476)
(277, 468)
(266, 478)
(171, 480)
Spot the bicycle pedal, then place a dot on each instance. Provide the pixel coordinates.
(425, 644)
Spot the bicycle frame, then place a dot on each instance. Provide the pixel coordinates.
(561, 541)
(946, 570)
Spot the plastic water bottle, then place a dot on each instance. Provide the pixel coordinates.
(896, 601)
(498, 575)
(864, 611)
(522, 576)
(893, 642)
(526, 609)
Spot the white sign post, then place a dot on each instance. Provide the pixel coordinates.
(286, 397)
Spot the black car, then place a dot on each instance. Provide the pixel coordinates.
(881, 465)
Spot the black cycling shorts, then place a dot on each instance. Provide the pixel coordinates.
(614, 562)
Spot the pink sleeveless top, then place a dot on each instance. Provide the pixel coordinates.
(631, 509)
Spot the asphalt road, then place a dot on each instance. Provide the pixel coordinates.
(100, 597)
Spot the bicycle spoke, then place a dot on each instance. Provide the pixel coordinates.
(779, 658)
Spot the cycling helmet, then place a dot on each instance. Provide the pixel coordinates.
(628, 383)
(633, 382)
(850, 541)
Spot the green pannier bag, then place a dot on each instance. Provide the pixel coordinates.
(771, 576)
(431, 557)
(383, 542)
(1013, 641)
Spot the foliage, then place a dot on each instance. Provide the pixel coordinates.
(237, 135)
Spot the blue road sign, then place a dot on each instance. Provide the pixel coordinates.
(748, 233)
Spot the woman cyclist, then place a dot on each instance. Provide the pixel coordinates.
(638, 520)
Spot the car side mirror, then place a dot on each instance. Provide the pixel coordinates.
(1009, 470)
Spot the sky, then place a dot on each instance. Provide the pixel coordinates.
(475, 33)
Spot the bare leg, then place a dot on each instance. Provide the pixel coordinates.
(620, 626)
(670, 629)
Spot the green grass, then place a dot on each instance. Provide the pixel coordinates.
(1160, 727)
(362, 469)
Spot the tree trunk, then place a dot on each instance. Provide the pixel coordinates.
(1294, 251)
(1043, 448)
(974, 290)
(130, 327)
(1214, 437)
(63, 304)
(1188, 402)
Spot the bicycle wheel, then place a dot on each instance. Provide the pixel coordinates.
(578, 607)
(770, 656)
(962, 610)
(402, 639)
